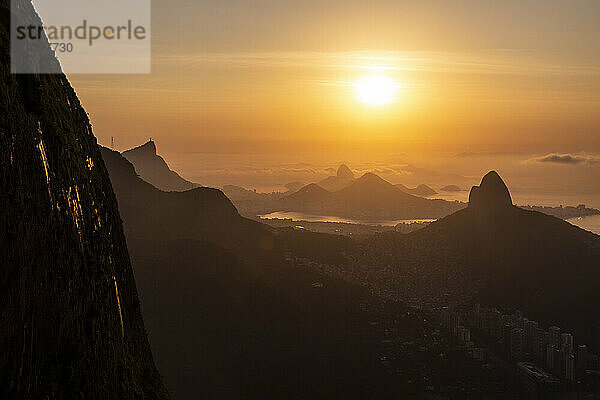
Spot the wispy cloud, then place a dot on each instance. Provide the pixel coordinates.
(505, 62)
(566, 159)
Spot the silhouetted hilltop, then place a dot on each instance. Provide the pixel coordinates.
(368, 197)
(421, 190)
(510, 257)
(71, 325)
(450, 188)
(344, 172)
(153, 169)
(309, 194)
(492, 193)
(343, 178)
(201, 213)
(373, 191)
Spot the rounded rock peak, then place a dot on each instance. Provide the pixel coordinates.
(491, 192)
(345, 172)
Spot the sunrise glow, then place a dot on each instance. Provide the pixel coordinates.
(376, 90)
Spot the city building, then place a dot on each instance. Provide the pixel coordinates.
(463, 334)
(566, 343)
(539, 343)
(531, 328)
(550, 356)
(582, 356)
(516, 343)
(570, 367)
(554, 339)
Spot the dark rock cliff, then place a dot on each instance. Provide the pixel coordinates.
(70, 320)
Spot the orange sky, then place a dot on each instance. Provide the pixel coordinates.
(489, 101)
(275, 75)
(269, 82)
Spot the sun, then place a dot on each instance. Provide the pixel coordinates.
(376, 90)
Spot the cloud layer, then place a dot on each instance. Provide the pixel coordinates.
(566, 159)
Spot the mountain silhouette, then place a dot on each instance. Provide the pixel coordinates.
(344, 172)
(491, 194)
(218, 297)
(153, 169)
(71, 321)
(510, 257)
(421, 190)
(343, 178)
(450, 188)
(372, 188)
(368, 197)
(199, 214)
(310, 196)
(294, 186)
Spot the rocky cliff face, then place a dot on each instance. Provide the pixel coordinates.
(70, 321)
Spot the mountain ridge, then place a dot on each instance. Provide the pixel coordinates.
(368, 196)
(201, 213)
(154, 169)
(222, 285)
(510, 257)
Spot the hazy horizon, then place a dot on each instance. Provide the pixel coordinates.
(510, 82)
(473, 76)
(535, 179)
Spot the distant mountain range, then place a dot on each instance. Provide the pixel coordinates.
(368, 197)
(153, 169)
(344, 195)
(345, 177)
(379, 200)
